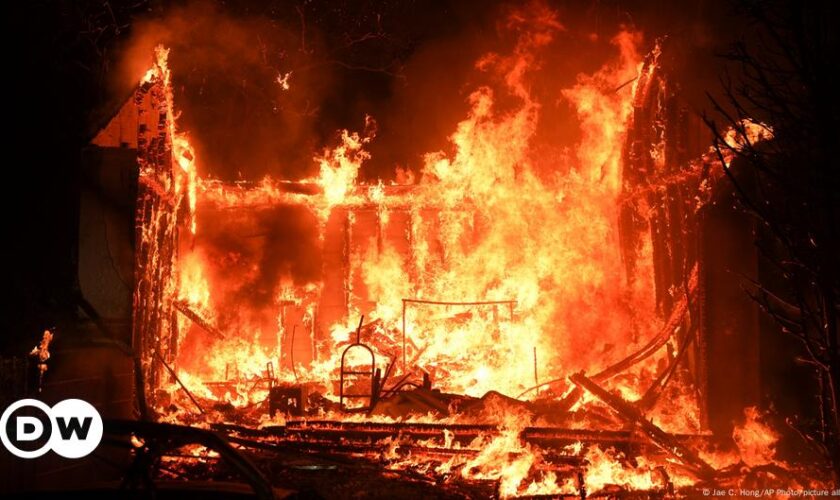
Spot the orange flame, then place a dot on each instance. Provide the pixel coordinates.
(755, 439)
(485, 224)
(339, 166)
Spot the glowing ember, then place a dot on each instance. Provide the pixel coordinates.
(42, 353)
(283, 80)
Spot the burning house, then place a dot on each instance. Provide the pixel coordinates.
(505, 320)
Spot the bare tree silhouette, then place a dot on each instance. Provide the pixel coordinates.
(786, 79)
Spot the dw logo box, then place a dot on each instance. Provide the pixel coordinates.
(30, 428)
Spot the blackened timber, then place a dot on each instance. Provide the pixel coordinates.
(338, 431)
(659, 437)
(354, 449)
(652, 394)
(154, 328)
(173, 436)
(185, 309)
(674, 320)
(178, 380)
(332, 450)
(661, 251)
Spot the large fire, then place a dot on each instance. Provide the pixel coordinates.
(500, 269)
(490, 222)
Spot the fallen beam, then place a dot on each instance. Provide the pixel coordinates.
(338, 431)
(657, 436)
(178, 380)
(674, 320)
(185, 309)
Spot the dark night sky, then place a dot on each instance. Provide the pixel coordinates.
(63, 61)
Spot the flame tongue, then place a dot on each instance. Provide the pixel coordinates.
(339, 166)
(755, 439)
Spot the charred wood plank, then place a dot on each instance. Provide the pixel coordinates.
(181, 384)
(675, 319)
(660, 438)
(185, 309)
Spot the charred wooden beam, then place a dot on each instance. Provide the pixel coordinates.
(657, 436)
(154, 325)
(675, 319)
(205, 324)
(181, 384)
(338, 431)
(652, 394)
(351, 448)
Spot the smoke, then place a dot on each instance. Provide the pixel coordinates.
(253, 251)
(230, 77)
(260, 91)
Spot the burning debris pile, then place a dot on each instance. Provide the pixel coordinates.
(489, 284)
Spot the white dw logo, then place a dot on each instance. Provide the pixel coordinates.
(30, 428)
